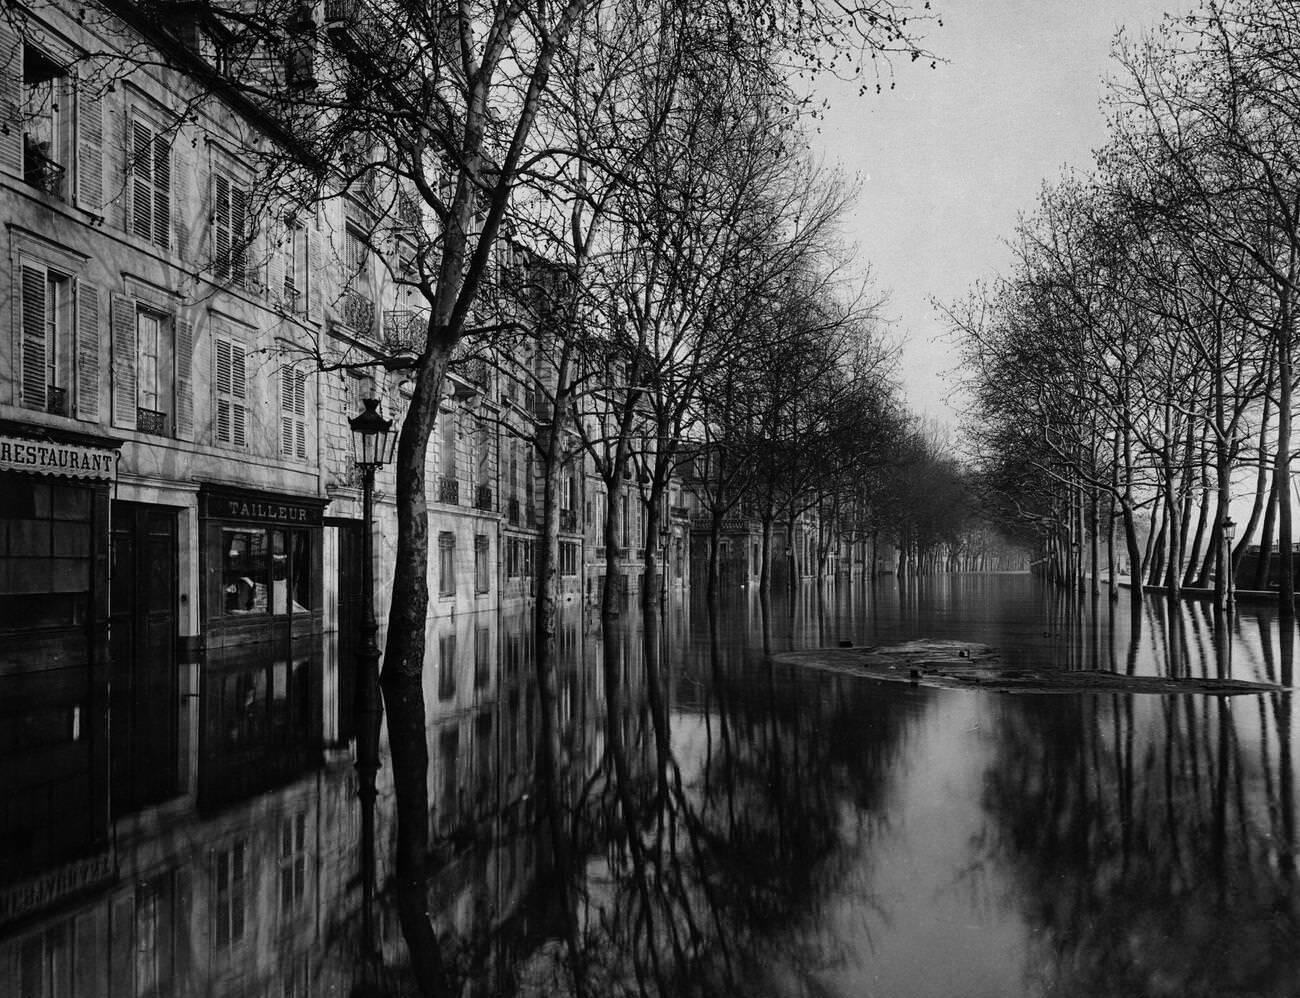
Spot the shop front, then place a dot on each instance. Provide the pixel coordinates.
(263, 625)
(54, 785)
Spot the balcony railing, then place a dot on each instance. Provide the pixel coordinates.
(448, 490)
(40, 171)
(483, 498)
(679, 512)
(56, 400)
(568, 519)
(151, 421)
(357, 311)
(512, 510)
(406, 329)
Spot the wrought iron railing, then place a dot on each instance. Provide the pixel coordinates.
(56, 400)
(448, 490)
(512, 510)
(405, 328)
(483, 497)
(357, 311)
(568, 519)
(679, 512)
(40, 171)
(151, 421)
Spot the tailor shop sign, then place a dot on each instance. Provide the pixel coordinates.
(47, 457)
(251, 507)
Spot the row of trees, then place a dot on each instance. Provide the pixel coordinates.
(624, 184)
(1135, 369)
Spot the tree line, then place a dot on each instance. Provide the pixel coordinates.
(1133, 371)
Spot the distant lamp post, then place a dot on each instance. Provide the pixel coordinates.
(373, 441)
(1229, 535)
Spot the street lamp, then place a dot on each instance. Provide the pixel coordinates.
(373, 441)
(1229, 535)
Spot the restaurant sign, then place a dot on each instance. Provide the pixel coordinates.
(22, 899)
(48, 457)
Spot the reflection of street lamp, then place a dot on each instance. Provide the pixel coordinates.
(1229, 535)
(372, 443)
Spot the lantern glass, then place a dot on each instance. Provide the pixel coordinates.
(372, 436)
(1229, 530)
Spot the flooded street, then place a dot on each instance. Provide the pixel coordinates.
(798, 833)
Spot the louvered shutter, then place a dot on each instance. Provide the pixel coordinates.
(279, 242)
(239, 391)
(33, 346)
(221, 226)
(162, 191)
(141, 160)
(238, 235)
(300, 408)
(122, 319)
(184, 377)
(86, 404)
(11, 95)
(312, 273)
(286, 410)
(90, 149)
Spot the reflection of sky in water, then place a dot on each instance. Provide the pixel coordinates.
(1047, 844)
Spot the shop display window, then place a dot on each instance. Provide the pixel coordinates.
(265, 570)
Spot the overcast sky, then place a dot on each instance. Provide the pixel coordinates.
(950, 157)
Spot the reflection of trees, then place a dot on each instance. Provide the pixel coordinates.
(716, 870)
(1147, 842)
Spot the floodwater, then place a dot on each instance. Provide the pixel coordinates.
(751, 828)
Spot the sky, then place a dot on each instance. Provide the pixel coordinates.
(948, 159)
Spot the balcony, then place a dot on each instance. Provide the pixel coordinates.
(448, 490)
(40, 171)
(512, 511)
(483, 498)
(406, 329)
(352, 25)
(679, 512)
(151, 421)
(56, 400)
(568, 519)
(357, 311)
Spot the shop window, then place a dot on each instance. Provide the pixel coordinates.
(446, 564)
(229, 893)
(265, 570)
(482, 565)
(446, 666)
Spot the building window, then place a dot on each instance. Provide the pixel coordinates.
(231, 392)
(293, 863)
(293, 412)
(293, 287)
(568, 558)
(229, 893)
(46, 132)
(482, 657)
(151, 181)
(153, 371)
(446, 564)
(265, 571)
(46, 356)
(229, 230)
(446, 666)
(482, 566)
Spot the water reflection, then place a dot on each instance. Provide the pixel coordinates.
(719, 823)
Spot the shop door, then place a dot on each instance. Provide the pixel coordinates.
(144, 698)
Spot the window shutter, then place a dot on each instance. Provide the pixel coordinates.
(122, 318)
(293, 412)
(90, 150)
(279, 241)
(232, 391)
(221, 226)
(11, 95)
(312, 272)
(32, 350)
(184, 377)
(222, 382)
(87, 389)
(238, 389)
(300, 408)
(238, 235)
(141, 165)
(286, 410)
(162, 191)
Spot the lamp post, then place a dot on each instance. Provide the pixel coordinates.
(1229, 535)
(373, 441)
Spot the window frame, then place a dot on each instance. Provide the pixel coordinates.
(446, 564)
